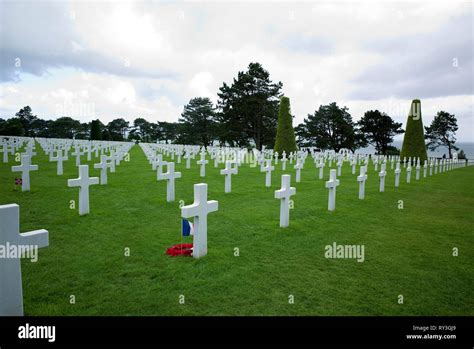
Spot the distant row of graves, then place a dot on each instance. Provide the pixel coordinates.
(162, 158)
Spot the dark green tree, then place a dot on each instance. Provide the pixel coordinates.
(248, 109)
(26, 118)
(379, 129)
(442, 132)
(414, 139)
(285, 136)
(197, 121)
(65, 127)
(392, 150)
(330, 127)
(40, 127)
(11, 127)
(96, 130)
(168, 132)
(141, 130)
(117, 129)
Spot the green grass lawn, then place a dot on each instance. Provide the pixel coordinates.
(407, 252)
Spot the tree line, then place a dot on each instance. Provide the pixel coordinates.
(246, 114)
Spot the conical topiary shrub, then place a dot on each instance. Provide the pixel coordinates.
(285, 136)
(414, 141)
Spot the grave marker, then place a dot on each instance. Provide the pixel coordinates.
(361, 179)
(332, 185)
(25, 169)
(199, 210)
(228, 172)
(284, 195)
(170, 175)
(11, 290)
(83, 182)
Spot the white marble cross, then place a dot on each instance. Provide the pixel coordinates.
(170, 177)
(292, 156)
(5, 151)
(332, 185)
(11, 290)
(29, 151)
(409, 172)
(188, 159)
(77, 153)
(203, 163)
(431, 167)
(199, 211)
(283, 161)
(159, 163)
(382, 175)
(339, 166)
(298, 168)
(83, 182)
(425, 168)
(321, 168)
(103, 165)
(418, 167)
(89, 152)
(59, 158)
(353, 164)
(361, 179)
(25, 169)
(228, 172)
(152, 160)
(111, 163)
(268, 168)
(376, 163)
(284, 195)
(397, 174)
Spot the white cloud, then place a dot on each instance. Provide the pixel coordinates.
(147, 59)
(200, 85)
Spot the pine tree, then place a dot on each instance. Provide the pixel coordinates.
(96, 130)
(285, 136)
(442, 132)
(414, 140)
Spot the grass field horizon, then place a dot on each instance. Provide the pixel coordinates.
(408, 251)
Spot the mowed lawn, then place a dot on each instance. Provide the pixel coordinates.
(408, 251)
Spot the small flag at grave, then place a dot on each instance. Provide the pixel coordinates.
(187, 228)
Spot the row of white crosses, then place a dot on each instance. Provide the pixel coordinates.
(11, 292)
(83, 182)
(201, 207)
(11, 299)
(158, 164)
(10, 145)
(11, 289)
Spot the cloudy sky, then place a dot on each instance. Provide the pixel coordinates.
(110, 59)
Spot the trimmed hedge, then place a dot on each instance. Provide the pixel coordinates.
(414, 141)
(285, 136)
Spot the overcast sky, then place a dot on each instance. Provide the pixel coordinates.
(147, 59)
